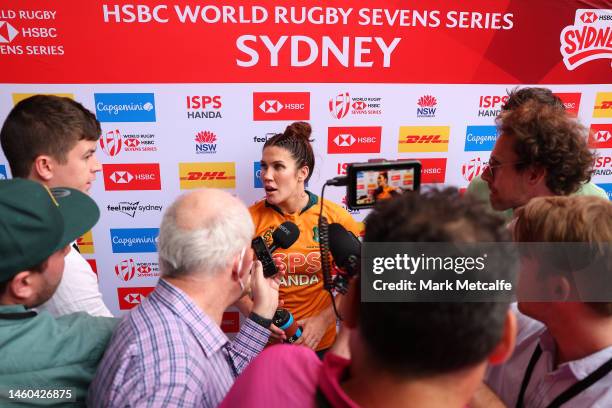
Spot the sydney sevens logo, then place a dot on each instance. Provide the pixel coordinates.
(111, 142)
(472, 169)
(588, 39)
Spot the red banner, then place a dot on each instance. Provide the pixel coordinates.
(434, 41)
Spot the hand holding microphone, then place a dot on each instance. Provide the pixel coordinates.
(282, 237)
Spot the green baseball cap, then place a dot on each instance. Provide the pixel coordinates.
(35, 222)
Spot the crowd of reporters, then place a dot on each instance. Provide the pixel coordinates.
(56, 333)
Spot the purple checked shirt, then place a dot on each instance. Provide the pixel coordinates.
(168, 353)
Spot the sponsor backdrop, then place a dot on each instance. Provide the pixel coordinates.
(188, 94)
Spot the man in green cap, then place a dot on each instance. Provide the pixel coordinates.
(41, 354)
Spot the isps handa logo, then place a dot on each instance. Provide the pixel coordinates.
(215, 175)
(588, 39)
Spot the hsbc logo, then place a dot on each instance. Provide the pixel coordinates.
(271, 106)
(600, 136)
(343, 104)
(571, 101)
(7, 32)
(472, 168)
(113, 142)
(133, 176)
(132, 297)
(356, 139)
(121, 177)
(588, 17)
(281, 106)
(128, 269)
(344, 140)
(433, 170)
(230, 322)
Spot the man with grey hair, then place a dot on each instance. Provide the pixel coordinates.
(170, 351)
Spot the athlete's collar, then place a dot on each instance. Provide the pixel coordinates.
(312, 200)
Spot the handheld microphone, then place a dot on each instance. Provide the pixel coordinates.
(282, 237)
(345, 248)
(283, 319)
(346, 251)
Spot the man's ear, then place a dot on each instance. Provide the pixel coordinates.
(21, 286)
(504, 348)
(43, 167)
(560, 289)
(536, 174)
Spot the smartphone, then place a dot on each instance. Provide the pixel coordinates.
(262, 252)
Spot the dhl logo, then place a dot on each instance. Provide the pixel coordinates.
(603, 105)
(214, 175)
(423, 139)
(85, 243)
(18, 97)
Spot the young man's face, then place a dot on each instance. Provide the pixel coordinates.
(506, 184)
(80, 170)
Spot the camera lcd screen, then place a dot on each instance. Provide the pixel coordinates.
(369, 183)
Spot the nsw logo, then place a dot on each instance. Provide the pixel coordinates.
(472, 168)
(3, 175)
(134, 240)
(206, 142)
(125, 107)
(427, 106)
(480, 138)
(132, 297)
(132, 176)
(356, 139)
(281, 105)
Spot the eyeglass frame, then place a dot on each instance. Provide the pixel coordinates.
(491, 167)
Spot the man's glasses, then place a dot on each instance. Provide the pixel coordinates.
(492, 165)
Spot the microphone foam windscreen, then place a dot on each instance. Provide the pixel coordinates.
(286, 234)
(342, 244)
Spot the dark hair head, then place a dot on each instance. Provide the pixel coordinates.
(424, 339)
(546, 136)
(517, 97)
(45, 124)
(296, 140)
